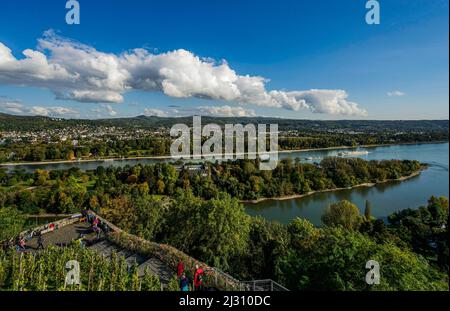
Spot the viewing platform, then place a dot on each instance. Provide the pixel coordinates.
(158, 259)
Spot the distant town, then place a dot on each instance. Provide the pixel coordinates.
(42, 138)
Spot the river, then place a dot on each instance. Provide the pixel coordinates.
(385, 198)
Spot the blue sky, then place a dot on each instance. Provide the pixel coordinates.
(395, 70)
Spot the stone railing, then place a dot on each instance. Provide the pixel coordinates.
(47, 228)
(171, 256)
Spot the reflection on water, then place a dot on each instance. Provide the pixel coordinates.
(385, 198)
(89, 165)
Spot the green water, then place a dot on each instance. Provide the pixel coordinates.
(385, 198)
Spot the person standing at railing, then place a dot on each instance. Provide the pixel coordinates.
(96, 230)
(180, 269)
(184, 283)
(40, 241)
(90, 217)
(198, 278)
(84, 215)
(29, 235)
(22, 244)
(104, 227)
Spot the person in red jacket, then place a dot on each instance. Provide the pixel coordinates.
(198, 278)
(180, 269)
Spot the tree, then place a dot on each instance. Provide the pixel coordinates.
(266, 241)
(425, 230)
(149, 212)
(368, 210)
(94, 203)
(343, 213)
(225, 230)
(70, 155)
(334, 258)
(120, 211)
(11, 223)
(213, 231)
(132, 179)
(438, 208)
(160, 186)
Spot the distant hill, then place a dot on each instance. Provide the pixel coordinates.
(29, 123)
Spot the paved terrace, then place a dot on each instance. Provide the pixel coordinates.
(63, 232)
(64, 235)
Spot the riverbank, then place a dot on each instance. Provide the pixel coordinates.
(362, 146)
(83, 161)
(298, 196)
(166, 157)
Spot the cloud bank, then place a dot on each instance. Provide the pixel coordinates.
(211, 111)
(104, 111)
(156, 113)
(79, 72)
(16, 107)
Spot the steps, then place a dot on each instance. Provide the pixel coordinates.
(154, 265)
(72, 230)
(134, 259)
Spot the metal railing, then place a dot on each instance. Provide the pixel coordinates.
(232, 283)
(264, 285)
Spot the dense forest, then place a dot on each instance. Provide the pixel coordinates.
(71, 190)
(198, 211)
(412, 248)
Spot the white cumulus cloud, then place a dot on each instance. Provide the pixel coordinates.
(104, 111)
(11, 106)
(17, 107)
(225, 111)
(51, 111)
(156, 112)
(76, 71)
(212, 111)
